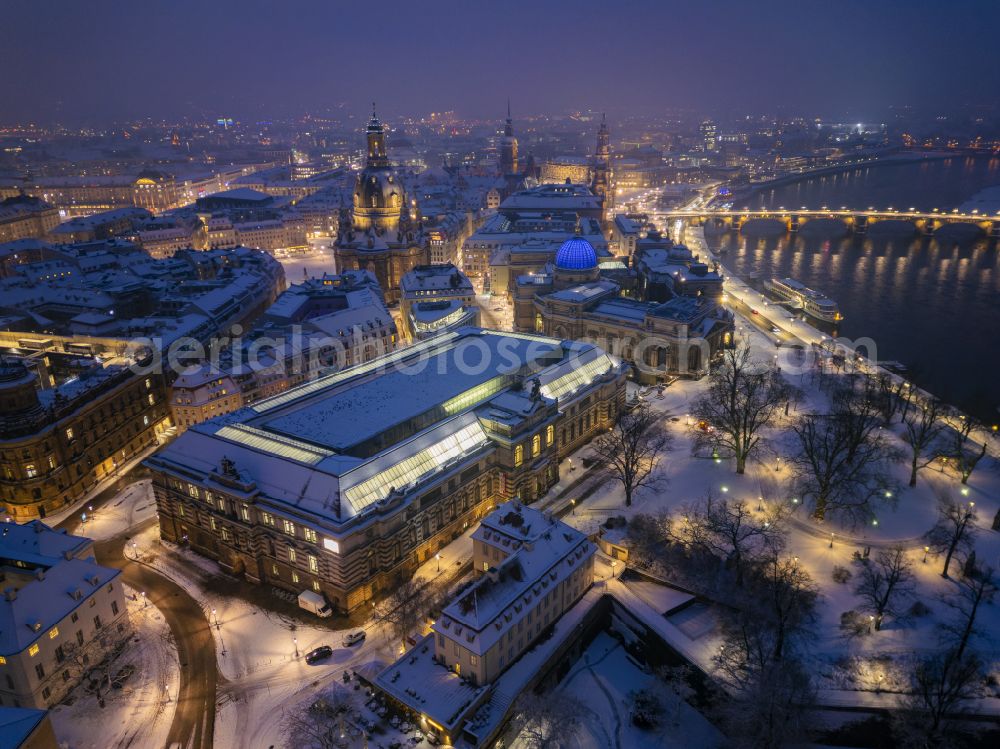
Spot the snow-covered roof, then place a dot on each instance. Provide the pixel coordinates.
(542, 552)
(429, 687)
(337, 445)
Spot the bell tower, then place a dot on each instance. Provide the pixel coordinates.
(377, 157)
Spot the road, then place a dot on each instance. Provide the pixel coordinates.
(194, 717)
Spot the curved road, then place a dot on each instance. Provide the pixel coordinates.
(194, 717)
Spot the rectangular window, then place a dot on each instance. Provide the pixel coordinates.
(289, 527)
(60, 654)
(316, 585)
(274, 570)
(310, 535)
(291, 556)
(225, 534)
(97, 622)
(69, 433)
(268, 518)
(192, 490)
(295, 577)
(212, 522)
(151, 399)
(245, 513)
(518, 455)
(30, 470)
(330, 545)
(313, 563)
(114, 608)
(33, 650)
(473, 660)
(53, 633)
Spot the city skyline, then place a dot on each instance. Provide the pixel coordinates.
(186, 60)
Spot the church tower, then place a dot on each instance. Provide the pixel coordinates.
(379, 198)
(508, 147)
(601, 183)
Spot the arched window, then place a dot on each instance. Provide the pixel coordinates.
(518, 455)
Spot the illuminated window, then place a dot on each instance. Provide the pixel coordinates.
(225, 534)
(550, 435)
(2, 660)
(316, 585)
(330, 545)
(291, 555)
(192, 490)
(212, 522)
(536, 445)
(245, 513)
(518, 455)
(289, 527)
(151, 398)
(313, 563)
(30, 470)
(69, 433)
(149, 383)
(295, 577)
(268, 518)
(33, 650)
(473, 659)
(310, 534)
(145, 420)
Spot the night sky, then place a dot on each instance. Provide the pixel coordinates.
(99, 60)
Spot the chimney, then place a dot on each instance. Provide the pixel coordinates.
(10, 594)
(40, 574)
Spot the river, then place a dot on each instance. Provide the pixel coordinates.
(932, 303)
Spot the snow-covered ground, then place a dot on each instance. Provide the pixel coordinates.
(603, 680)
(138, 714)
(871, 663)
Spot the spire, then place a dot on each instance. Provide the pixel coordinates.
(508, 108)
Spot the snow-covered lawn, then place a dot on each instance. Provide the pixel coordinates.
(138, 714)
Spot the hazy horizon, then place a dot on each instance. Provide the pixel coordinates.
(109, 61)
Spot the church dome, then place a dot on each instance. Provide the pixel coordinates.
(576, 254)
(378, 189)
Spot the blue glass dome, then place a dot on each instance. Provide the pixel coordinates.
(576, 254)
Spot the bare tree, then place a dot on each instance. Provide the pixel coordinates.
(769, 710)
(547, 721)
(842, 461)
(941, 683)
(93, 661)
(744, 397)
(321, 725)
(632, 449)
(731, 530)
(405, 608)
(787, 597)
(921, 432)
(973, 591)
(965, 450)
(884, 583)
(955, 529)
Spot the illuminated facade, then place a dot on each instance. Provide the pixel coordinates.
(344, 485)
(57, 444)
(60, 611)
(379, 233)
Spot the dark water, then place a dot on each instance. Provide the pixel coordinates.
(932, 303)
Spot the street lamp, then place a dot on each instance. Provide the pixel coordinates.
(614, 564)
(438, 558)
(831, 539)
(216, 616)
(295, 642)
(926, 550)
(135, 551)
(144, 599)
(572, 504)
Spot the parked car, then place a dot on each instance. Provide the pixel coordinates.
(123, 674)
(323, 651)
(354, 638)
